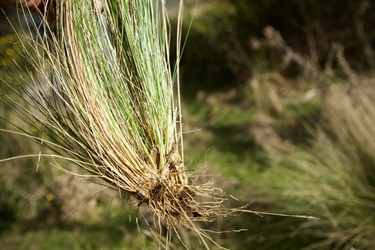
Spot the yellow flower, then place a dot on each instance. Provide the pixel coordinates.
(49, 197)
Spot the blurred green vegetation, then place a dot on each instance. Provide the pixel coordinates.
(281, 117)
(226, 44)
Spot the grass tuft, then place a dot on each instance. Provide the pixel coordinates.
(102, 95)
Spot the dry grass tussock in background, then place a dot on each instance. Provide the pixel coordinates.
(330, 174)
(335, 178)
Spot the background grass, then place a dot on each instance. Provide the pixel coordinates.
(288, 138)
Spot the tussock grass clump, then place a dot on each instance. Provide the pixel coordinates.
(103, 95)
(334, 179)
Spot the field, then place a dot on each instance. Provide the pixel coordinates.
(283, 128)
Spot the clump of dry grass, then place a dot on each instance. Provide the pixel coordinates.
(331, 174)
(104, 96)
(335, 179)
